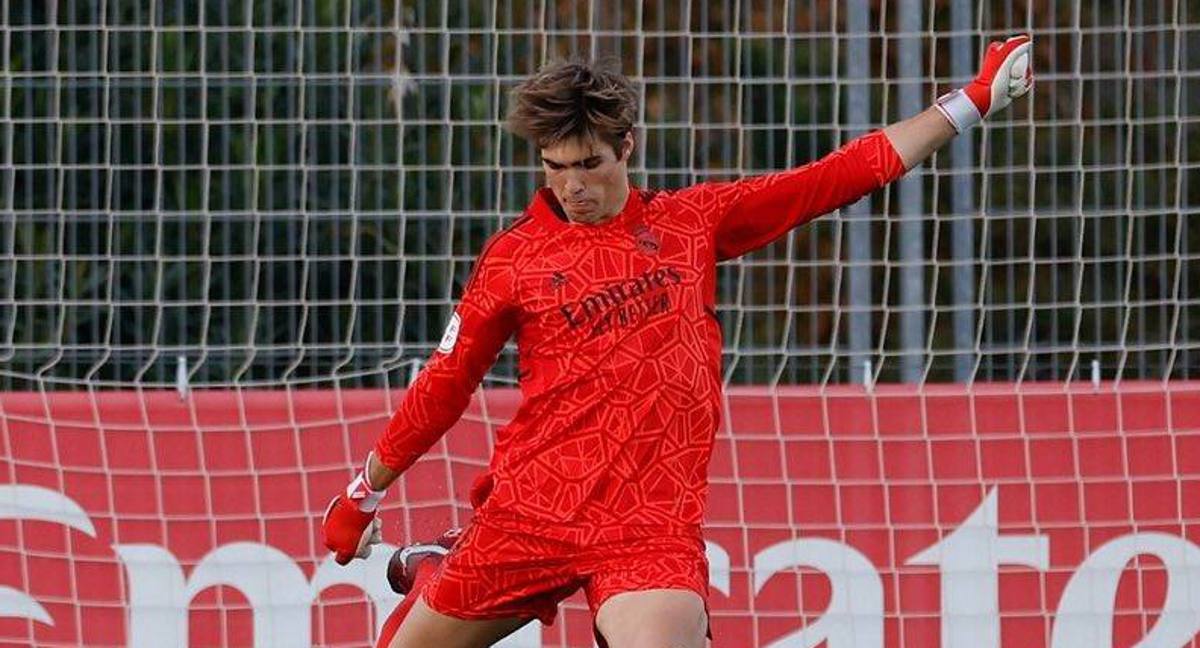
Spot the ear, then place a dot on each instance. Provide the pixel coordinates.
(627, 144)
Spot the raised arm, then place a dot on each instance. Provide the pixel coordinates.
(485, 318)
(917, 137)
(755, 211)
(1005, 74)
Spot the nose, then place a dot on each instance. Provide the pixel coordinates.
(574, 184)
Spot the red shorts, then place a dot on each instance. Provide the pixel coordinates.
(514, 569)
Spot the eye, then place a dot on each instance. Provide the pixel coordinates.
(552, 166)
(591, 163)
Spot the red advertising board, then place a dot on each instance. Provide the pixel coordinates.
(995, 515)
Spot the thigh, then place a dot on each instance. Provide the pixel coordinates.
(653, 619)
(425, 627)
(650, 591)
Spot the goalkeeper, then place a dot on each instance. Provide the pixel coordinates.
(599, 482)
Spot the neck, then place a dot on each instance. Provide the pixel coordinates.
(619, 200)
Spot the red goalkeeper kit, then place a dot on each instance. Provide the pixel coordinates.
(599, 481)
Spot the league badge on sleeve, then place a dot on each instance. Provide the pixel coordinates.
(450, 337)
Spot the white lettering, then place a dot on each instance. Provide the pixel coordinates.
(21, 502)
(367, 575)
(718, 566)
(15, 603)
(854, 618)
(1085, 611)
(280, 596)
(968, 560)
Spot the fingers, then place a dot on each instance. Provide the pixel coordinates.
(1020, 63)
(1021, 71)
(372, 535)
(1006, 47)
(1020, 87)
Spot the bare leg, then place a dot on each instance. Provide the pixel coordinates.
(408, 575)
(392, 624)
(661, 618)
(424, 627)
(413, 623)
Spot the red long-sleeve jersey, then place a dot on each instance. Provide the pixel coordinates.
(618, 342)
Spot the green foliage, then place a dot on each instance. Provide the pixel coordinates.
(254, 185)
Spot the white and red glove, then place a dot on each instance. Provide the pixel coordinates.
(1005, 74)
(350, 526)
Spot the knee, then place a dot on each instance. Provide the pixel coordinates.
(656, 638)
(648, 641)
(653, 619)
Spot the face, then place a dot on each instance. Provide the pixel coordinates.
(590, 181)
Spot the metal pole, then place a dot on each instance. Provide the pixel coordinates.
(912, 227)
(962, 149)
(858, 215)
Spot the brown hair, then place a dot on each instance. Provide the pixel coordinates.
(574, 99)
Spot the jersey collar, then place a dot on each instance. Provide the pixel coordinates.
(544, 207)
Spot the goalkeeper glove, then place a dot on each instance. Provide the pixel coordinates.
(350, 526)
(1005, 74)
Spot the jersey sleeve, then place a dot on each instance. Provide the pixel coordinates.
(752, 212)
(484, 319)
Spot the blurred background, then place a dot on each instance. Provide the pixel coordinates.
(292, 193)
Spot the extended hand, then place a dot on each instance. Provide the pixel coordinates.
(1005, 74)
(350, 527)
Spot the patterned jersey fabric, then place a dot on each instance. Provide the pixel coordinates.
(618, 342)
(502, 569)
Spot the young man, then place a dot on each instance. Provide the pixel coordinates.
(599, 481)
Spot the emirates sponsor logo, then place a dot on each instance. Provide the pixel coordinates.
(624, 303)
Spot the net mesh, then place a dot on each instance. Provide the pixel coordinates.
(294, 192)
(251, 199)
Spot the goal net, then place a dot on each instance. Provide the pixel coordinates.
(232, 232)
